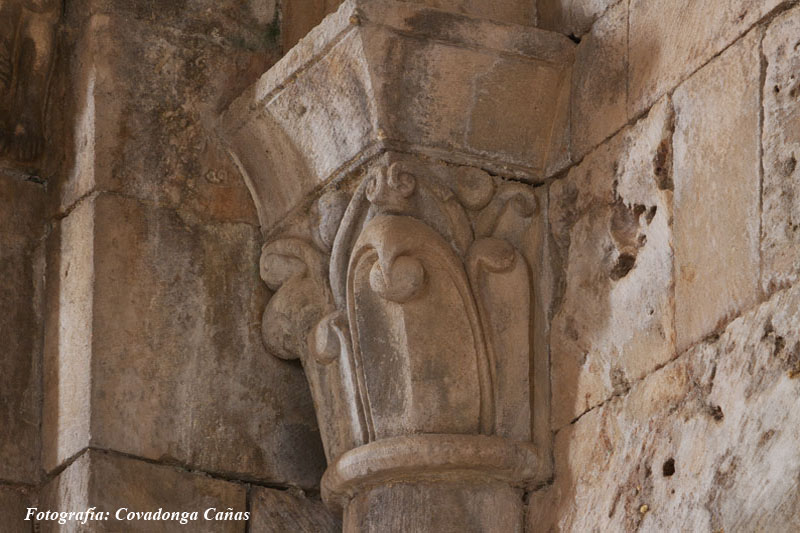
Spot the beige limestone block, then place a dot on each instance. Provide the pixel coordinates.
(178, 369)
(277, 511)
(573, 17)
(706, 443)
(780, 222)
(145, 99)
(111, 482)
(14, 502)
(69, 309)
(442, 508)
(378, 76)
(610, 218)
(599, 82)
(717, 170)
(299, 17)
(68, 491)
(669, 41)
(21, 280)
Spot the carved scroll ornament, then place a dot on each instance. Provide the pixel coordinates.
(415, 318)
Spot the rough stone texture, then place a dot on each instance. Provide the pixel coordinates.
(67, 491)
(173, 346)
(298, 18)
(28, 34)
(250, 24)
(440, 508)
(610, 219)
(144, 115)
(21, 228)
(111, 482)
(717, 173)
(69, 310)
(154, 300)
(572, 17)
(14, 502)
(411, 299)
(599, 82)
(707, 443)
(780, 222)
(669, 42)
(505, 87)
(277, 511)
(514, 11)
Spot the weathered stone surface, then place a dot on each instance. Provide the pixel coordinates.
(599, 82)
(514, 11)
(298, 18)
(475, 240)
(67, 491)
(716, 168)
(277, 511)
(21, 227)
(440, 508)
(780, 245)
(182, 356)
(381, 76)
(27, 49)
(146, 97)
(14, 502)
(668, 43)
(159, 334)
(111, 482)
(250, 24)
(610, 219)
(707, 443)
(573, 17)
(69, 312)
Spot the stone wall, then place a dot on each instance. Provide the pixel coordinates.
(678, 215)
(22, 229)
(132, 369)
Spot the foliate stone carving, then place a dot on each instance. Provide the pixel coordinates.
(27, 35)
(417, 317)
(410, 300)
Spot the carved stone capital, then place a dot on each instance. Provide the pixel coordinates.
(391, 156)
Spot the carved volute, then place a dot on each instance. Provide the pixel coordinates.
(394, 175)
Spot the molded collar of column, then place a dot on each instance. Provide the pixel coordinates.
(430, 458)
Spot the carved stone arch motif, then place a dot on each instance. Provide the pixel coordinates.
(415, 326)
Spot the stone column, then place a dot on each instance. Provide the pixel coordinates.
(392, 155)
